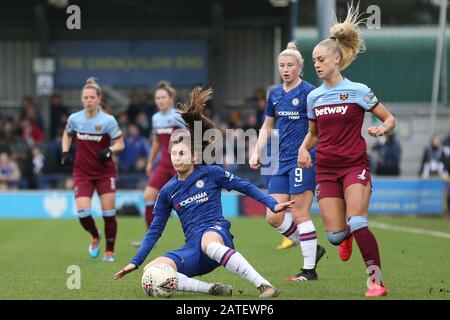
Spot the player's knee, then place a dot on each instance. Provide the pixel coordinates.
(84, 213)
(212, 249)
(109, 213)
(336, 238)
(358, 222)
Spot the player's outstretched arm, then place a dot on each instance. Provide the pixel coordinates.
(129, 268)
(151, 237)
(162, 212)
(284, 206)
(229, 181)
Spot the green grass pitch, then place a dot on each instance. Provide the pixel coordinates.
(35, 255)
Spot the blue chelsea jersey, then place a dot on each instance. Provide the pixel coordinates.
(197, 201)
(290, 113)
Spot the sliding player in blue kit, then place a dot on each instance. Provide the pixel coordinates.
(195, 194)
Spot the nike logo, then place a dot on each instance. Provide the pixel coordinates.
(173, 196)
(297, 185)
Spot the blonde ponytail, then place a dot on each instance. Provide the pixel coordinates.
(346, 38)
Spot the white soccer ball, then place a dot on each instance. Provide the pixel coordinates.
(160, 281)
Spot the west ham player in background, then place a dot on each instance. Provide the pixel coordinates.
(286, 111)
(164, 122)
(195, 194)
(97, 136)
(336, 111)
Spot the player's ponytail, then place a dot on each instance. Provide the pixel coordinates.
(346, 38)
(91, 83)
(192, 112)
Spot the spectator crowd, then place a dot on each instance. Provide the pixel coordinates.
(31, 160)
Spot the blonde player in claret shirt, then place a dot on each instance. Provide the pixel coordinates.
(97, 137)
(336, 113)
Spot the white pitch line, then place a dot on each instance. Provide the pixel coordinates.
(410, 230)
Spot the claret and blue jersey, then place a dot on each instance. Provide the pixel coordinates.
(339, 114)
(92, 135)
(197, 201)
(163, 126)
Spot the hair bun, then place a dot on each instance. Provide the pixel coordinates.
(163, 84)
(291, 46)
(91, 80)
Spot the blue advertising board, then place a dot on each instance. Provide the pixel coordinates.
(409, 196)
(390, 196)
(182, 62)
(405, 196)
(61, 204)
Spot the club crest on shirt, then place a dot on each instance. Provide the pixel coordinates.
(343, 96)
(295, 102)
(98, 128)
(200, 184)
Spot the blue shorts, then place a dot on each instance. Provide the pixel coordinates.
(191, 260)
(293, 180)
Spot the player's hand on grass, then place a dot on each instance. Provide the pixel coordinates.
(304, 158)
(66, 159)
(105, 155)
(254, 161)
(129, 268)
(284, 206)
(377, 131)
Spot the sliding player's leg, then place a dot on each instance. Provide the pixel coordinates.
(217, 244)
(187, 261)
